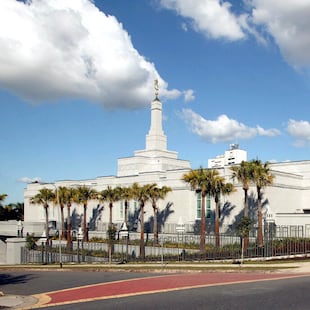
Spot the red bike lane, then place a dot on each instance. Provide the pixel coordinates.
(149, 285)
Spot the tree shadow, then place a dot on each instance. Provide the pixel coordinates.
(12, 279)
(252, 202)
(162, 216)
(76, 220)
(133, 220)
(96, 216)
(224, 212)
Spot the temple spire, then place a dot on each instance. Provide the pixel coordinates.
(156, 139)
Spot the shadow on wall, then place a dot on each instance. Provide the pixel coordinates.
(224, 212)
(252, 202)
(162, 216)
(96, 216)
(76, 220)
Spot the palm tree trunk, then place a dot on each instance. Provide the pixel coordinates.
(110, 213)
(46, 224)
(62, 222)
(69, 241)
(126, 213)
(155, 228)
(246, 214)
(84, 223)
(142, 248)
(110, 250)
(217, 223)
(203, 225)
(259, 219)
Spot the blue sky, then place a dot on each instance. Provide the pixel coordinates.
(77, 80)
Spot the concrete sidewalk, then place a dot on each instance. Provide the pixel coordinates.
(16, 301)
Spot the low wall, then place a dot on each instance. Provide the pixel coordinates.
(2, 252)
(13, 250)
(11, 228)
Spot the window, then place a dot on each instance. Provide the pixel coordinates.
(207, 205)
(198, 215)
(121, 209)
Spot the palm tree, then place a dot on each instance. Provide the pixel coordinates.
(83, 195)
(142, 195)
(17, 211)
(111, 195)
(61, 199)
(243, 227)
(126, 195)
(2, 197)
(157, 193)
(199, 181)
(218, 187)
(243, 173)
(261, 177)
(69, 198)
(44, 197)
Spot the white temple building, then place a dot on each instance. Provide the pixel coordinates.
(285, 203)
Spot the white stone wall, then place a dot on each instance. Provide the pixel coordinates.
(290, 194)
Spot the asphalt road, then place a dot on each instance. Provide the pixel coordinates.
(283, 294)
(30, 282)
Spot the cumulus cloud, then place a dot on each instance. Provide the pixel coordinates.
(300, 131)
(53, 49)
(223, 129)
(287, 22)
(29, 180)
(213, 18)
(189, 95)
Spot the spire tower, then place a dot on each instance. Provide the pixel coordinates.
(155, 158)
(156, 139)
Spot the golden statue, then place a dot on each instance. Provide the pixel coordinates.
(156, 87)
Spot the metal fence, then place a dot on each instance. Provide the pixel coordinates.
(278, 241)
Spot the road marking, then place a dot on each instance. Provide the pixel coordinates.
(51, 299)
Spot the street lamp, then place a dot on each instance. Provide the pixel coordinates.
(124, 234)
(181, 229)
(60, 224)
(80, 240)
(43, 240)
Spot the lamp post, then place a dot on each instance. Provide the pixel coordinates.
(43, 240)
(19, 229)
(80, 239)
(123, 233)
(60, 224)
(181, 229)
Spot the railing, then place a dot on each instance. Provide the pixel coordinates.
(173, 248)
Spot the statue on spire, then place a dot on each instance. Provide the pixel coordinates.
(156, 88)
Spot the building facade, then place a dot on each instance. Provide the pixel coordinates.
(285, 203)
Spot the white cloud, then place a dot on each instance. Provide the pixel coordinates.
(189, 95)
(223, 129)
(53, 49)
(288, 22)
(213, 18)
(29, 180)
(300, 131)
(267, 132)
